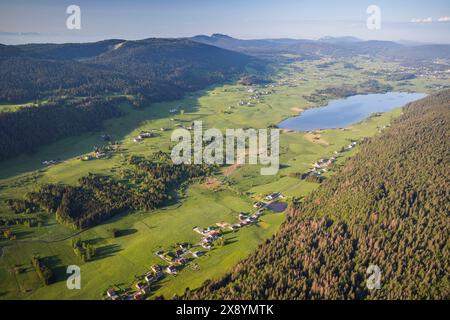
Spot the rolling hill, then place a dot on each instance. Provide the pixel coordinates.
(159, 69)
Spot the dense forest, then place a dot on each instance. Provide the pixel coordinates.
(30, 127)
(159, 69)
(387, 206)
(145, 184)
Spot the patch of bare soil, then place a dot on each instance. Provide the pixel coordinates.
(211, 184)
(298, 109)
(230, 169)
(315, 137)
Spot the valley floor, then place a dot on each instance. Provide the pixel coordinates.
(123, 261)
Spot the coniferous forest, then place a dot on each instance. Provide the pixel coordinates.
(28, 128)
(146, 184)
(388, 206)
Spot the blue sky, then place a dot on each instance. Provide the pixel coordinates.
(23, 21)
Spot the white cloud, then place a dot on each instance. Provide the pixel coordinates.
(425, 20)
(430, 19)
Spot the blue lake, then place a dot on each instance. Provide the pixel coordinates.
(344, 112)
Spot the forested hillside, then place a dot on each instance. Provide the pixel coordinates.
(387, 206)
(159, 69)
(25, 130)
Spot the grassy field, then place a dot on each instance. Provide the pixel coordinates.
(120, 261)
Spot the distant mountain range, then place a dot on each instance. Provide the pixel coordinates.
(338, 47)
(162, 69)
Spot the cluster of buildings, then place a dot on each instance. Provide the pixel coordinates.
(209, 235)
(212, 233)
(175, 110)
(321, 166)
(143, 135)
(95, 155)
(273, 196)
(255, 97)
(50, 162)
(142, 287)
(178, 258)
(101, 152)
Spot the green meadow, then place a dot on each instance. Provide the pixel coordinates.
(122, 261)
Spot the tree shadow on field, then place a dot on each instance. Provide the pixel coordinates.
(126, 232)
(55, 264)
(106, 251)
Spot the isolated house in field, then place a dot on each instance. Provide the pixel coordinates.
(157, 269)
(181, 261)
(197, 254)
(206, 246)
(222, 224)
(258, 205)
(179, 253)
(198, 230)
(145, 134)
(214, 235)
(141, 287)
(171, 269)
(111, 293)
(138, 139)
(138, 296)
(184, 247)
(273, 196)
(242, 216)
(150, 277)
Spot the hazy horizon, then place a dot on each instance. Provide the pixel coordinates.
(25, 21)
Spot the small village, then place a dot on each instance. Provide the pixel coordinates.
(146, 134)
(320, 167)
(256, 96)
(184, 254)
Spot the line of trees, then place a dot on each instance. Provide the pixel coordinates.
(43, 271)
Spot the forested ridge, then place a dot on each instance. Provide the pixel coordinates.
(159, 69)
(387, 206)
(30, 127)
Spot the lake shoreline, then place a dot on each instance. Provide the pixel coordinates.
(344, 112)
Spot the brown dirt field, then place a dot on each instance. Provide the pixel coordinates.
(211, 184)
(230, 169)
(298, 109)
(315, 138)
